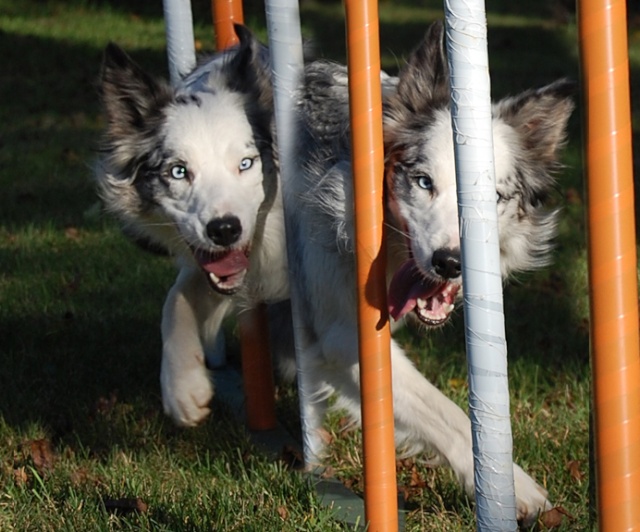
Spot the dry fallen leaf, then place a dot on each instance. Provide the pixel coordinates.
(283, 513)
(416, 480)
(20, 476)
(328, 472)
(574, 470)
(325, 436)
(72, 233)
(554, 517)
(41, 454)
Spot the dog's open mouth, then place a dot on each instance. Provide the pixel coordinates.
(225, 270)
(432, 301)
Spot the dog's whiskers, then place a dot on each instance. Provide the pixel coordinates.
(399, 231)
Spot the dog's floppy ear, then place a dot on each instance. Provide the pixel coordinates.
(424, 80)
(129, 95)
(540, 118)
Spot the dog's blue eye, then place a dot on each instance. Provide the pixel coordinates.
(425, 182)
(178, 171)
(246, 163)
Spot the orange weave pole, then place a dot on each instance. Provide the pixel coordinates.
(225, 13)
(613, 280)
(257, 372)
(363, 47)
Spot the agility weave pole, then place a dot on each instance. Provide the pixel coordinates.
(374, 336)
(180, 41)
(466, 38)
(257, 370)
(613, 267)
(225, 13)
(285, 42)
(181, 56)
(287, 63)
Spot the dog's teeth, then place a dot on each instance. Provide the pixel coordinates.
(421, 303)
(214, 278)
(449, 308)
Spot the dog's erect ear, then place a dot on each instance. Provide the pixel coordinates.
(242, 63)
(247, 71)
(540, 117)
(129, 95)
(424, 80)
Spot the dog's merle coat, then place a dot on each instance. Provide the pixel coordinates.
(422, 233)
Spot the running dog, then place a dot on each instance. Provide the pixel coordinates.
(422, 239)
(193, 168)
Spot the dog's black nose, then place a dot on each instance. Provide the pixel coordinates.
(446, 262)
(224, 231)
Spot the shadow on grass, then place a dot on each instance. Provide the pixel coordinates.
(51, 127)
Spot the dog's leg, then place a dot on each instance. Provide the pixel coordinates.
(425, 419)
(424, 411)
(190, 311)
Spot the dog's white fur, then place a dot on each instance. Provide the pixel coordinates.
(214, 137)
(208, 127)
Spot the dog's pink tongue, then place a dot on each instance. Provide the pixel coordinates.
(225, 265)
(407, 285)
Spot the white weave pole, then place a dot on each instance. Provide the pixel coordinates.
(466, 37)
(180, 41)
(285, 46)
(181, 55)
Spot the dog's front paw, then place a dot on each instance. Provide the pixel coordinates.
(531, 498)
(186, 397)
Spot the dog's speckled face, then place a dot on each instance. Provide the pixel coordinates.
(528, 130)
(191, 168)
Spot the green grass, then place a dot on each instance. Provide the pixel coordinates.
(81, 422)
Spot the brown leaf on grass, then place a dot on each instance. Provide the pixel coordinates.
(350, 482)
(554, 517)
(328, 472)
(41, 454)
(325, 436)
(574, 470)
(283, 513)
(416, 480)
(72, 233)
(126, 505)
(83, 476)
(404, 464)
(20, 476)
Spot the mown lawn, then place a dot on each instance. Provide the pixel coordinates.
(84, 444)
